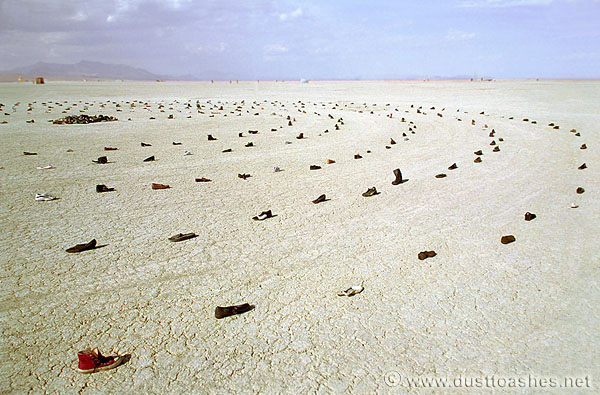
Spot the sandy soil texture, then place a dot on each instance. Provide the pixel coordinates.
(478, 308)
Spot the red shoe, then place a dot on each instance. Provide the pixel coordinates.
(91, 361)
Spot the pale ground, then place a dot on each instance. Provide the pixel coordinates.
(478, 308)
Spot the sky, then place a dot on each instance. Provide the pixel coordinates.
(312, 39)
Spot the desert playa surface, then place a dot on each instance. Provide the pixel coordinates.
(477, 308)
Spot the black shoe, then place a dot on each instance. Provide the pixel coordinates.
(101, 160)
(150, 159)
(103, 188)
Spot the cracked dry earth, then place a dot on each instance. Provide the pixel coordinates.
(477, 308)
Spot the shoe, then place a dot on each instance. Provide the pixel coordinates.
(91, 361)
(203, 179)
(580, 190)
(110, 149)
(174, 143)
(103, 188)
(441, 175)
(101, 160)
(160, 186)
(249, 144)
(583, 146)
(478, 152)
(29, 153)
(357, 156)
(353, 290)
(398, 175)
(529, 216)
(276, 169)
(320, 199)
(496, 149)
(146, 145)
(222, 312)
(82, 247)
(330, 161)
(453, 166)
(477, 160)
(211, 138)
(182, 237)
(370, 192)
(493, 142)
(150, 159)
(187, 153)
(300, 136)
(583, 166)
(314, 167)
(240, 134)
(256, 131)
(392, 142)
(244, 176)
(507, 239)
(227, 150)
(44, 197)
(262, 216)
(426, 254)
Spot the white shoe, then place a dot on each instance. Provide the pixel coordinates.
(353, 290)
(45, 167)
(43, 197)
(186, 153)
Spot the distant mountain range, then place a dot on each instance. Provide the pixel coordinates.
(104, 71)
(93, 70)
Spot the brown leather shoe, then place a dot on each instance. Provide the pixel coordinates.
(426, 254)
(222, 312)
(320, 199)
(507, 239)
(160, 186)
(82, 247)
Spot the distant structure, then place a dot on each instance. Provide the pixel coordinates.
(303, 81)
(39, 80)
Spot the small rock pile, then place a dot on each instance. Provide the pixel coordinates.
(79, 119)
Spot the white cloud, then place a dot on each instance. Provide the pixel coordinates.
(502, 3)
(291, 15)
(458, 35)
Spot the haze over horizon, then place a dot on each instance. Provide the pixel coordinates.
(264, 39)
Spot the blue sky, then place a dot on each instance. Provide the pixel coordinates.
(348, 39)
